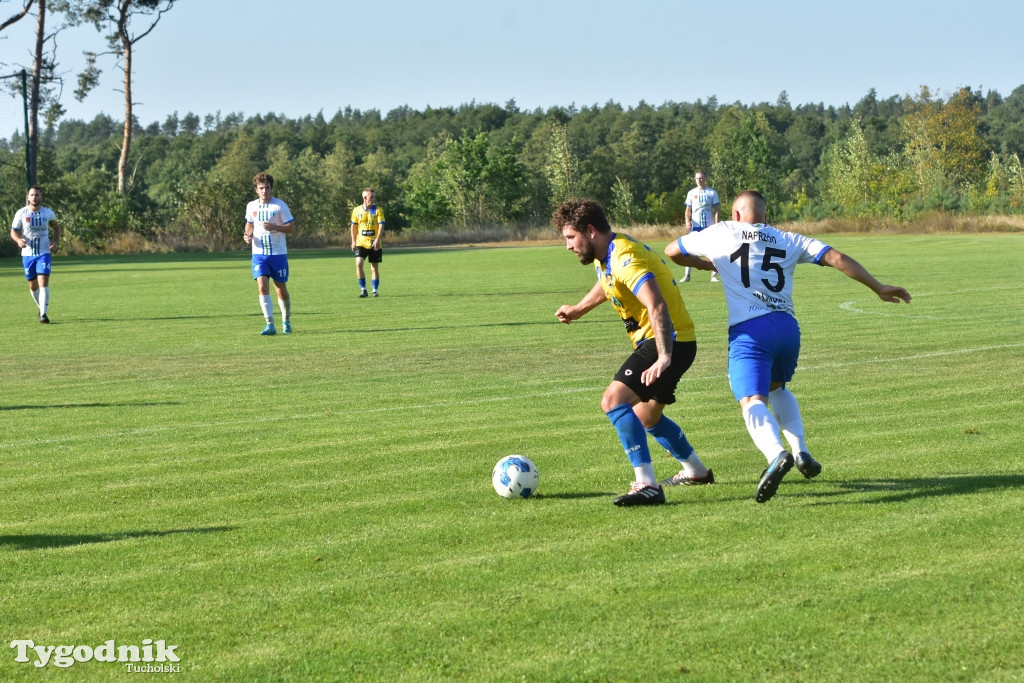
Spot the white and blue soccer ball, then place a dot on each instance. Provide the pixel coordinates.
(515, 476)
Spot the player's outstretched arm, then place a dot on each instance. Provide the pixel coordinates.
(594, 298)
(851, 268)
(676, 255)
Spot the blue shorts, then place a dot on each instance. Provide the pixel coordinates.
(36, 265)
(762, 350)
(275, 267)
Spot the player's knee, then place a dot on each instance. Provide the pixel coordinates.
(647, 419)
(616, 395)
(608, 402)
(746, 401)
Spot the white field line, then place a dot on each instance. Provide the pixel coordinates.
(852, 305)
(916, 356)
(476, 401)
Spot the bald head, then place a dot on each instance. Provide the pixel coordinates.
(749, 207)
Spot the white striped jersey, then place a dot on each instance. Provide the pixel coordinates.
(266, 240)
(702, 205)
(34, 227)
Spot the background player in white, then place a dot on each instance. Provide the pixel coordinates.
(31, 232)
(267, 221)
(756, 263)
(701, 211)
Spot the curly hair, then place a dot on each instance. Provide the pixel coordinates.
(579, 213)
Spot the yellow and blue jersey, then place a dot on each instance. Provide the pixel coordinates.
(629, 265)
(369, 222)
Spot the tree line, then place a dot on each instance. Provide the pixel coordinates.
(123, 23)
(187, 179)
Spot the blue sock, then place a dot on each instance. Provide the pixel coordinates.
(376, 284)
(670, 436)
(362, 283)
(631, 433)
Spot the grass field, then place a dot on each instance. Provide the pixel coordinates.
(318, 506)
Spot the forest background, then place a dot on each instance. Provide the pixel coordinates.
(487, 170)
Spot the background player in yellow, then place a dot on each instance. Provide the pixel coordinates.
(639, 284)
(367, 234)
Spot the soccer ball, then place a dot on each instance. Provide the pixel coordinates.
(515, 476)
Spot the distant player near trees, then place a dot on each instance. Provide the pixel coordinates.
(701, 211)
(367, 240)
(639, 285)
(756, 263)
(31, 230)
(267, 222)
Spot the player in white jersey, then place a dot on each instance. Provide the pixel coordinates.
(756, 263)
(267, 221)
(701, 211)
(31, 231)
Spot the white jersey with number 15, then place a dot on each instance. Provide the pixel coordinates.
(755, 262)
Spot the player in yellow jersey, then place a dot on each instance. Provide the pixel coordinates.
(367, 235)
(640, 286)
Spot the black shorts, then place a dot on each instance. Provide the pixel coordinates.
(373, 255)
(664, 388)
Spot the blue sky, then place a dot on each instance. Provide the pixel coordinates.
(305, 56)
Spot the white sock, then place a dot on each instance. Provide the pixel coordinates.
(645, 474)
(764, 430)
(286, 309)
(787, 410)
(694, 467)
(44, 300)
(267, 306)
(687, 273)
(35, 295)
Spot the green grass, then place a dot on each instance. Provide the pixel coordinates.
(319, 506)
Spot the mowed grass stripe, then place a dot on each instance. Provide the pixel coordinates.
(318, 507)
(927, 356)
